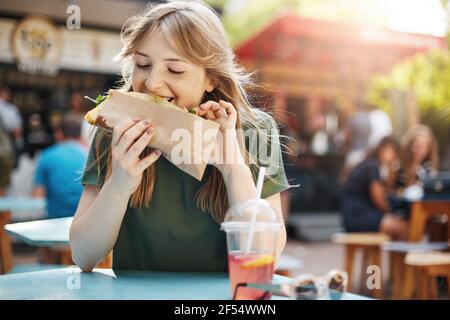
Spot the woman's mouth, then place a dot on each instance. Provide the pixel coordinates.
(168, 99)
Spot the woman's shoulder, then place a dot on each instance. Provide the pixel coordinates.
(257, 118)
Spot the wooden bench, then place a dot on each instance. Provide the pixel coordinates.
(427, 267)
(402, 275)
(367, 242)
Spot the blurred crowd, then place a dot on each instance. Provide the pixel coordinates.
(43, 156)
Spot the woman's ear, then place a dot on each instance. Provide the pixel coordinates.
(211, 84)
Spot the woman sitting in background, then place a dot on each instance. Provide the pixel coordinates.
(365, 204)
(419, 156)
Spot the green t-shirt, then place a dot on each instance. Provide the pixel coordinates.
(173, 234)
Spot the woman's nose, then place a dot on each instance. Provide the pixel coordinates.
(154, 82)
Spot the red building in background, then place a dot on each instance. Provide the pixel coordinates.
(314, 63)
(317, 72)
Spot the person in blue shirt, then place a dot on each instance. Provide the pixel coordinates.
(59, 169)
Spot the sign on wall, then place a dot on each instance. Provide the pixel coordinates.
(38, 46)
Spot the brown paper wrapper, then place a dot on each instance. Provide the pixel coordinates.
(165, 120)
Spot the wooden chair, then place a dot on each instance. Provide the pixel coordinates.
(428, 266)
(5, 244)
(402, 275)
(367, 242)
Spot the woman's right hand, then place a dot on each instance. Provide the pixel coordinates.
(130, 138)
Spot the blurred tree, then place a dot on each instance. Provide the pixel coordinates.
(446, 5)
(428, 77)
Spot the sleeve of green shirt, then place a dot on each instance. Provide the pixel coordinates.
(94, 173)
(267, 152)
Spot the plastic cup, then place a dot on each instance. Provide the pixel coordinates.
(252, 229)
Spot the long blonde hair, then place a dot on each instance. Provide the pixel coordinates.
(407, 151)
(195, 30)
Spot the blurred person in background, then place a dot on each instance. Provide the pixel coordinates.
(12, 121)
(419, 160)
(6, 158)
(357, 133)
(380, 126)
(78, 108)
(38, 133)
(59, 169)
(365, 205)
(420, 157)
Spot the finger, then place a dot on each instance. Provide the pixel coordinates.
(209, 109)
(129, 136)
(210, 115)
(147, 161)
(140, 144)
(230, 109)
(215, 106)
(121, 127)
(207, 105)
(201, 112)
(221, 113)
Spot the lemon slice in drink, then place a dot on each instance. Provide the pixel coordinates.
(261, 261)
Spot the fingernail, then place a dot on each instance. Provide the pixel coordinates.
(147, 122)
(157, 152)
(149, 131)
(135, 119)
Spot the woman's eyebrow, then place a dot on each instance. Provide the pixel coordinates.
(168, 59)
(141, 54)
(176, 60)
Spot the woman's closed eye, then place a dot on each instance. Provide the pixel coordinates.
(143, 66)
(148, 66)
(175, 71)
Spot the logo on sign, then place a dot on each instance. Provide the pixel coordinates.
(36, 45)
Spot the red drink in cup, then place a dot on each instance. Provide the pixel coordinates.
(250, 268)
(252, 229)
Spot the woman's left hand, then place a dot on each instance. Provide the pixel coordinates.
(221, 112)
(226, 150)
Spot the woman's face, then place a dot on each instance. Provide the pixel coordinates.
(421, 147)
(160, 70)
(388, 155)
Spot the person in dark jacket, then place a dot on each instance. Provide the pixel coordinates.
(365, 205)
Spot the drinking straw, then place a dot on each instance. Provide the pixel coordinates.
(259, 186)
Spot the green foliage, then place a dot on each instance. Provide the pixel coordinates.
(427, 75)
(252, 16)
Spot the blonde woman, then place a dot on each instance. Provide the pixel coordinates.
(151, 214)
(419, 156)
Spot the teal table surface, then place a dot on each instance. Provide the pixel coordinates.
(21, 204)
(104, 284)
(41, 232)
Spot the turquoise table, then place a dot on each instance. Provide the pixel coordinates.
(42, 233)
(72, 284)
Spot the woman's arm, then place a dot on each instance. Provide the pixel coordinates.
(378, 195)
(236, 174)
(99, 215)
(96, 224)
(241, 186)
